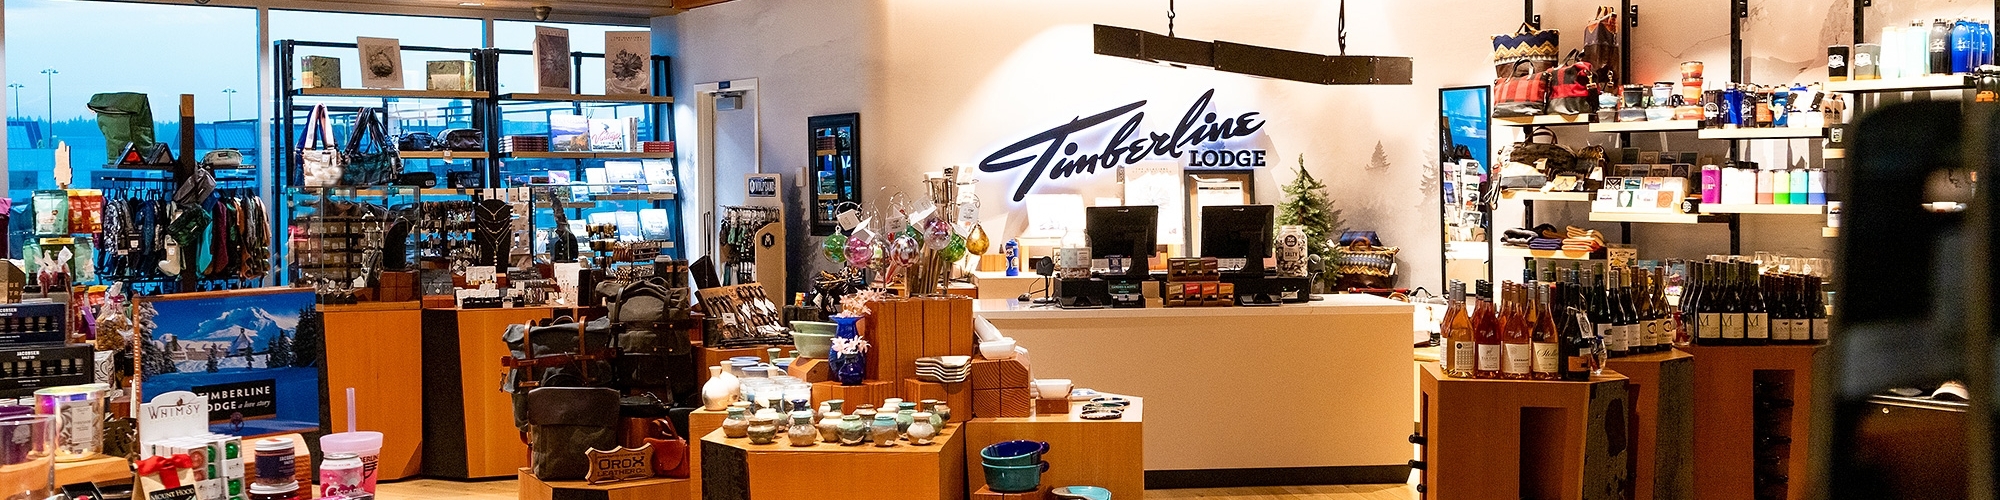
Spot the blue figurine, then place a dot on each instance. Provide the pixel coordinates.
(1013, 251)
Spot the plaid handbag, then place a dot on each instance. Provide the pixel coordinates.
(1526, 95)
(1537, 47)
(1572, 92)
(1364, 265)
(1600, 47)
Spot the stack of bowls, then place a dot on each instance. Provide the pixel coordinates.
(813, 338)
(1014, 466)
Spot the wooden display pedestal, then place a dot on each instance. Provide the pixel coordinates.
(532, 488)
(811, 369)
(901, 330)
(1731, 382)
(958, 396)
(1105, 453)
(734, 469)
(708, 356)
(1512, 439)
(1661, 386)
(377, 348)
(700, 423)
(104, 470)
(469, 428)
(1040, 493)
(870, 392)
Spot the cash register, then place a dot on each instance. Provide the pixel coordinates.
(1239, 237)
(1126, 237)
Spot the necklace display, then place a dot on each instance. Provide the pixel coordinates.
(495, 233)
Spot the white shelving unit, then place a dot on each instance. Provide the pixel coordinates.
(1764, 209)
(1940, 82)
(1524, 253)
(1647, 126)
(1544, 120)
(1537, 195)
(1762, 133)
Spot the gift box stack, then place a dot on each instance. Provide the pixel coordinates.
(656, 146)
(216, 463)
(525, 144)
(1197, 282)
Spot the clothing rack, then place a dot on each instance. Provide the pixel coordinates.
(146, 195)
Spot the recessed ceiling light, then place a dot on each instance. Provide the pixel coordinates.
(470, 4)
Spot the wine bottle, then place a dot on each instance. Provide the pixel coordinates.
(1622, 321)
(1547, 344)
(1656, 318)
(1816, 309)
(1459, 347)
(1709, 322)
(1600, 314)
(1515, 336)
(1690, 306)
(1572, 323)
(1795, 289)
(1756, 319)
(1731, 306)
(1486, 333)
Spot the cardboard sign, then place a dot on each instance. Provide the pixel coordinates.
(619, 464)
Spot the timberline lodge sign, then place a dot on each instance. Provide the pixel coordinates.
(1052, 154)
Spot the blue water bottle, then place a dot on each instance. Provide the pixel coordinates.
(1732, 104)
(1961, 46)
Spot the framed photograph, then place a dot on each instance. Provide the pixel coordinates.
(381, 63)
(552, 61)
(628, 62)
(258, 355)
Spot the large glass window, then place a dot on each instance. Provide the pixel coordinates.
(517, 73)
(162, 51)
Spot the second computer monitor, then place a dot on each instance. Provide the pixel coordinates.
(1131, 232)
(1237, 232)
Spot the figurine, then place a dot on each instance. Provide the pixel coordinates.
(1013, 251)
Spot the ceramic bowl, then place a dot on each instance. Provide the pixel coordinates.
(812, 345)
(998, 349)
(1053, 388)
(1016, 452)
(814, 327)
(1081, 493)
(1014, 478)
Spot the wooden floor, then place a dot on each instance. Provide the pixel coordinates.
(504, 490)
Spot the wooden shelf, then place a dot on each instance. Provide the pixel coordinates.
(1763, 133)
(1939, 82)
(1829, 232)
(632, 196)
(826, 152)
(1655, 218)
(1544, 120)
(582, 155)
(1833, 154)
(632, 99)
(1504, 251)
(444, 155)
(1764, 209)
(1647, 126)
(1532, 194)
(103, 469)
(394, 93)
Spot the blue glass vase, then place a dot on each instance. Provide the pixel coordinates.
(847, 368)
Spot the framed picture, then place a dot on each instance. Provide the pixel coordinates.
(381, 62)
(628, 62)
(258, 355)
(552, 61)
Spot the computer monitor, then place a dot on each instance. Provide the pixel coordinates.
(1129, 231)
(1237, 232)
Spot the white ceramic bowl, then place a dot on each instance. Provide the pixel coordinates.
(998, 349)
(1052, 388)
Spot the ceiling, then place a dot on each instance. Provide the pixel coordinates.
(630, 12)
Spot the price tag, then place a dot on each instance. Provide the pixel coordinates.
(849, 219)
(925, 214)
(479, 275)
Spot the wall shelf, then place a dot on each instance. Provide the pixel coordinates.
(1763, 133)
(1764, 209)
(1654, 218)
(586, 155)
(444, 155)
(1525, 253)
(1939, 82)
(1829, 232)
(393, 93)
(629, 99)
(632, 196)
(1544, 120)
(1533, 194)
(1647, 126)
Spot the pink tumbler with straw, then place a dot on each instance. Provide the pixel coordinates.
(365, 444)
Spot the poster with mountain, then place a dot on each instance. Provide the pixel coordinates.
(258, 355)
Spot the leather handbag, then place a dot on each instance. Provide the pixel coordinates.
(654, 348)
(564, 423)
(464, 139)
(1600, 48)
(319, 157)
(1571, 92)
(416, 141)
(1546, 157)
(646, 422)
(1526, 94)
(1536, 47)
(371, 154)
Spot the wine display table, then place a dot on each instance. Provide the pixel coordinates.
(1661, 386)
(377, 348)
(1103, 453)
(532, 488)
(1343, 361)
(1730, 382)
(735, 469)
(1486, 439)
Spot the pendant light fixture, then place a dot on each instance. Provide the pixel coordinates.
(1253, 60)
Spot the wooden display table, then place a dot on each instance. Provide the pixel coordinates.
(106, 470)
(469, 428)
(532, 488)
(734, 469)
(377, 348)
(1661, 386)
(1511, 439)
(1730, 382)
(700, 423)
(1104, 453)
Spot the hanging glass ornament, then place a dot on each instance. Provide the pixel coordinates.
(977, 244)
(835, 248)
(937, 233)
(859, 253)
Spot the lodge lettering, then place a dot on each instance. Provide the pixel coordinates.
(1051, 153)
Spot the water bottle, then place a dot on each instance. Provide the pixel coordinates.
(1961, 46)
(1732, 105)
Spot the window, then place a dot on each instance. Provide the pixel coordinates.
(441, 32)
(517, 73)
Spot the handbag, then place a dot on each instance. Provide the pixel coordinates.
(1536, 47)
(646, 423)
(1600, 48)
(1364, 265)
(416, 141)
(371, 155)
(1521, 95)
(464, 139)
(124, 118)
(319, 157)
(1572, 93)
(1546, 157)
(566, 422)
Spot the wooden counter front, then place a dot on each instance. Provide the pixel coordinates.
(735, 469)
(377, 348)
(1105, 453)
(469, 428)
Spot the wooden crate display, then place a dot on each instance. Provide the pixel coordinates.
(735, 469)
(1106, 453)
(1730, 382)
(1487, 439)
(958, 396)
(901, 330)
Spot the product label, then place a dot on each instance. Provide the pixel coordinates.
(1548, 359)
(1518, 362)
(1757, 325)
(1732, 325)
(1610, 335)
(1578, 364)
(1630, 334)
(1708, 325)
(1462, 354)
(1781, 329)
(1819, 329)
(1656, 332)
(1489, 357)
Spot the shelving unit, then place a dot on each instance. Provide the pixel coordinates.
(391, 93)
(594, 155)
(1545, 120)
(1764, 209)
(445, 155)
(1535, 195)
(1762, 133)
(1939, 82)
(617, 99)
(1653, 218)
(1829, 232)
(1524, 253)
(1646, 126)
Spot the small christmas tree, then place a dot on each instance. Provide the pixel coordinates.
(1307, 204)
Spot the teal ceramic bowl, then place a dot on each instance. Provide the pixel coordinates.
(1081, 493)
(1014, 478)
(1017, 452)
(812, 338)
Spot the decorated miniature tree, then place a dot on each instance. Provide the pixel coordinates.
(1307, 204)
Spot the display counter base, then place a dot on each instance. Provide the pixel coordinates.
(1104, 453)
(109, 470)
(700, 423)
(377, 348)
(735, 469)
(1489, 439)
(1039, 493)
(1661, 386)
(1740, 388)
(646, 489)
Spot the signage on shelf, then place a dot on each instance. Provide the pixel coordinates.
(1202, 137)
